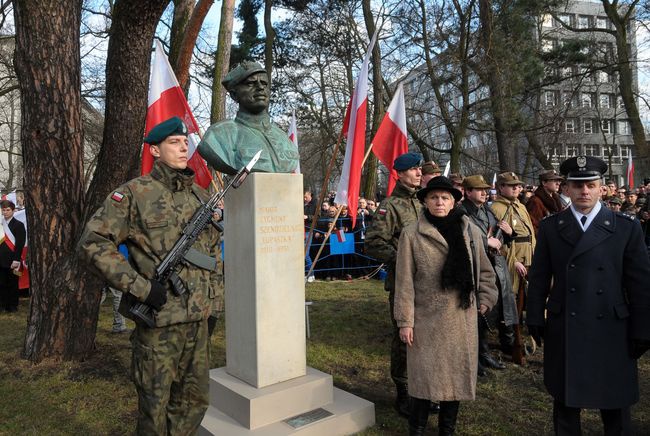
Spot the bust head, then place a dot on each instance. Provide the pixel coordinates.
(248, 84)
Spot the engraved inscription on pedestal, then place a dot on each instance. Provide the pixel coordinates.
(308, 417)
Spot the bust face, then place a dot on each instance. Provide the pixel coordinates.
(253, 93)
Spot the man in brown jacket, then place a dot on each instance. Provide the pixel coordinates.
(546, 200)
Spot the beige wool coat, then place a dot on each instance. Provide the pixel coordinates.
(443, 359)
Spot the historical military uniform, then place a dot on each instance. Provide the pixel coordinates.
(396, 212)
(170, 361)
(588, 291)
(543, 204)
(230, 144)
(515, 214)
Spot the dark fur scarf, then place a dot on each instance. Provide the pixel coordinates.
(551, 202)
(456, 272)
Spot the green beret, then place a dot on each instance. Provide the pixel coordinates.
(172, 126)
(241, 72)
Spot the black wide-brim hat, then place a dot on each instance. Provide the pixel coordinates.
(440, 183)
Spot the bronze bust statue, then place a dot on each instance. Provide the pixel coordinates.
(229, 145)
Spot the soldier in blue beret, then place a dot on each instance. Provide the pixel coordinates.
(407, 161)
(588, 299)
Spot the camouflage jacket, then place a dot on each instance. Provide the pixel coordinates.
(394, 213)
(148, 214)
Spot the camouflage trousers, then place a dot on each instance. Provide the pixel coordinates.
(397, 349)
(170, 368)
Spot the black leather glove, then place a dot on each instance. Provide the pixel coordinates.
(157, 295)
(639, 347)
(537, 333)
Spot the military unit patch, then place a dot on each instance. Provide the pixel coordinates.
(117, 196)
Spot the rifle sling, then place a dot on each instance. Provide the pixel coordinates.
(201, 260)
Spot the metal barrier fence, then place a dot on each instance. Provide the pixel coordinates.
(342, 255)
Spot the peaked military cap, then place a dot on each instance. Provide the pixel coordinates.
(583, 168)
(508, 178)
(172, 126)
(456, 178)
(240, 73)
(430, 167)
(475, 182)
(407, 161)
(549, 175)
(440, 183)
(615, 200)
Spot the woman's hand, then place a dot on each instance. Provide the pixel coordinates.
(406, 335)
(521, 269)
(483, 309)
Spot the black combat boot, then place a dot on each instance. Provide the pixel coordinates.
(485, 358)
(447, 417)
(402, 400)
(419, 415)
(435, 407)
(506, 338)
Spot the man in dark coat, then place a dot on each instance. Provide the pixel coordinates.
(589, 274)
(495, 234)
(546, 200)
(10, 251)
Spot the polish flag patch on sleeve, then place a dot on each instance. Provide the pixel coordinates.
(117, 196)
(381, 211)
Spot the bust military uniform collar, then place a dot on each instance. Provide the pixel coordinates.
(404, 191)
(175, 180)
(261, 121)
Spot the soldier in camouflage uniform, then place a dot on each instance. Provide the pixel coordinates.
(170, 361)
(395, 213)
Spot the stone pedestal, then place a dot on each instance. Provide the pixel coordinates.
(266, 387)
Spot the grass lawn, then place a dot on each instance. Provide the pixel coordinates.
(350, 337)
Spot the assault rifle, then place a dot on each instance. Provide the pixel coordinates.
(166, 271)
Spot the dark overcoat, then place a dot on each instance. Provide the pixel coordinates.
(596, 283)
(7, 255)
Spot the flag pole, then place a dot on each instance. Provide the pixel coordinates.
(327, 236)
(365, 158)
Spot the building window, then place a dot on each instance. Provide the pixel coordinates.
(586, 100)
(602, 23)
(570, 126)
(603, 76)
(620, 103)
(625, 151)
(583, 22)
(604, 101)
(566, 19)
(606, 126)
(549, 97)
(591, 150)
(547, 45)
(547, 20)
(588, 126)
(567, 72)
(623, 127)
(586, 75)
(572, 150)
(567, 99)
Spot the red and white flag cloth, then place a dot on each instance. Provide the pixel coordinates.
(630, 171)
(340, 235)
(348, 189)
(166, 100)
(293, 136)
(391, 137)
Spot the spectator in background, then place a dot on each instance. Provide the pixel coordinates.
(564, 195)
(545, 200)
(457, 181)
(10, 251)
(309, 208)
(630, 199)
(429, 170)
(372, 207)
(615, 204)
(621, 192)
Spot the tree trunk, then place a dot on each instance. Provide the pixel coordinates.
(182, 12)
(191, 33)
(270, 38)
(127, 84)
(63, 310)
(370, 174)
(626, 83)
(222, 61)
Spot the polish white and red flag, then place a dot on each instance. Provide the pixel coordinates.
(630, 171)
(391, 137)
(293, 136)
(166, 100)
(348, 190)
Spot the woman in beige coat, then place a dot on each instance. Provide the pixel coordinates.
(442, 269)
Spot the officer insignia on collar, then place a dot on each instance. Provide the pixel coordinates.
(381, 211)
(117, 196)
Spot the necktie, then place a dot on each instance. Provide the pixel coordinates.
(583, 220)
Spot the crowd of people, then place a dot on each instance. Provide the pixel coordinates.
(565, 258)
